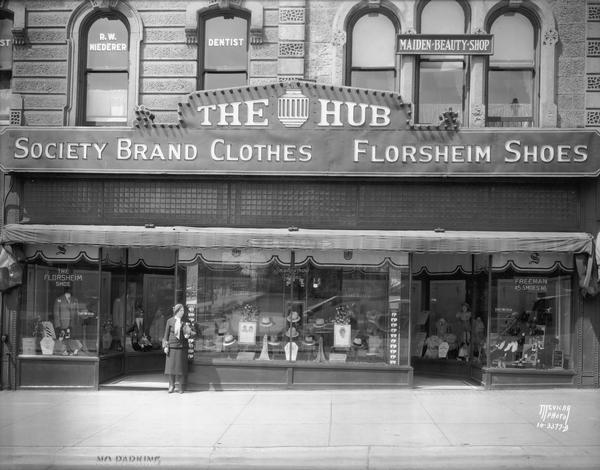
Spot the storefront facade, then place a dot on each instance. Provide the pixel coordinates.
(321, 232)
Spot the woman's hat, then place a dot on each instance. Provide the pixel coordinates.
(291, 332)
(293, 317)
(273, 341)
(308, 340)
(266, 322)
(319, 323)
(358, 343)
(177, 308)
(228, 340)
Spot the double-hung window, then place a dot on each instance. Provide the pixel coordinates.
(106, 72)
(441, 78)
(371, 54)
(6, 64)
(223, 60)
(511, 83)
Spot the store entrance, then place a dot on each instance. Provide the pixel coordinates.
(449, 311)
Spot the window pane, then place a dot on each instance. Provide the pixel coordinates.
(225, 42)
(108, 45)
(513, 41)
(510, 95)
(60, 317)
(377, 80)
(530, 321)
(440, 88)
(373, 42)
(224, 80)
(6, 44)
(442, 17)
(106, 97)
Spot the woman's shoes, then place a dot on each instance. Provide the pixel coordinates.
(171, 388)
(180, 389)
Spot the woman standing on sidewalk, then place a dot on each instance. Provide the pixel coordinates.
(175, 345)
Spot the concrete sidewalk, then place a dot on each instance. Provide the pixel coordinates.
(324, 429)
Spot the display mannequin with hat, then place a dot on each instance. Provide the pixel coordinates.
(175, 344)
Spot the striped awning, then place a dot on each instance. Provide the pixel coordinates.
(414, 241)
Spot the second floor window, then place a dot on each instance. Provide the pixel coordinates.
(442, 78)
(371, 54)
(6, 63)
(106, 79)
(511, 73)
(223, 61)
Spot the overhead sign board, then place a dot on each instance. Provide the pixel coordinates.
(299, 130)
(445, 44)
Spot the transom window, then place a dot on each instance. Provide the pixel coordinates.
(441, 79)
(371, 53)
(511, 73)
(106, 79)
(224, 52)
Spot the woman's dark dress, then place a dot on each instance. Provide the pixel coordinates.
(176, 362)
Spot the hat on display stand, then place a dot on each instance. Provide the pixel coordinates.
(319, 323)
(308, 341)
(266, 322)
(293, 317)
(291, 332)
(274, 341)
(228, 340)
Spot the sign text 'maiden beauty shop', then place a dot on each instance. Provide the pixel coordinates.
(299, 130)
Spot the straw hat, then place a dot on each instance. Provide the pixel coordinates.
(293, 317)
(266, 322)
(308, 341)
(274, 341)
(291, 332)
(229, 340)
(319, 323)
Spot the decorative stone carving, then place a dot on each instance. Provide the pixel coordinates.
(550, 37)
(477, 115)
(103, 4)
(191, 35)
(292, 15)
(410, 31)
(339, 38)
(256, 36)
(479, 31)
(291, 49)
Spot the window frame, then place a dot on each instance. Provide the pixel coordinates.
(8, 73)
(535, 69)
(202, 69)
(427, 58)
(350, 24)
(82, 108)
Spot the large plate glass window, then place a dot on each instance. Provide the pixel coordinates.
(442, 78)
(64, 292)
(270, 305)
(511, 84)
(223, 51)
(531, 312)
(371, 54)
(106, 73)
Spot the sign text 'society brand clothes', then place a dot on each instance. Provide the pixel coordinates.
(303, 129)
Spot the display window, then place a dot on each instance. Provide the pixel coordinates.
(89, 302)
(268, 305)
(62, 294)
(531, 316)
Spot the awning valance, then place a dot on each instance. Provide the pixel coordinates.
(416, 241)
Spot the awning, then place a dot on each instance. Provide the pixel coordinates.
(419, 241)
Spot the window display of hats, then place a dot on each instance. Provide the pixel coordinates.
(294, 317)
